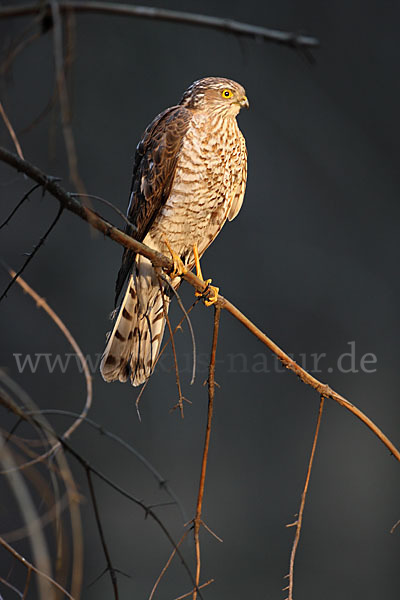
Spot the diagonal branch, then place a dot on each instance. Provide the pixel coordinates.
(294, 40)
(159, 260)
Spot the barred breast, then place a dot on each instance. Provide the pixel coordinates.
(210, 179)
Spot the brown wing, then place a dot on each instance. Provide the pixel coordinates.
(153, 174)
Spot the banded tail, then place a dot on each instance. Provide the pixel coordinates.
(134, 343)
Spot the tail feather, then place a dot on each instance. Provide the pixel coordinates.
(133, 346)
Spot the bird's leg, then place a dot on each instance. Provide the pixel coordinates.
(213, 296)
(179, 267)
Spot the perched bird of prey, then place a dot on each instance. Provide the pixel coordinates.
(189, 176)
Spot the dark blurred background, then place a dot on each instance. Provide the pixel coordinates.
(312, 259)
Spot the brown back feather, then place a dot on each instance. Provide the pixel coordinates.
(153, 174)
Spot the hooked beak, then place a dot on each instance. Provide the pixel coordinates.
(244, 103)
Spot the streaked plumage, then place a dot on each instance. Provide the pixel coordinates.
(189, 176)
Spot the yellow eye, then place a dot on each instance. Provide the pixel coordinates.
(227, 93)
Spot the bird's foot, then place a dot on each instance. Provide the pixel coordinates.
(179, 268)
(210, 293)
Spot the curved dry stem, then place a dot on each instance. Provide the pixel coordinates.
(62, 469)
(41, 303)
(31, 567)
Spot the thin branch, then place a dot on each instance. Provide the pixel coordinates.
(41, 302)
(171, 335)
(22, 42)
(294, 40)
(162, 482)
(27, 582)
(10, 586)
(299, 521)
(211, 392)
(159, 356)
(63, 96)
(20, 203)
(11, 131)
(110, 567)
(11, 406)
(164, 569)
(186, 316)
(32, 567)
(107, 203)
(203, 585)
(159, 260)
(32, 254)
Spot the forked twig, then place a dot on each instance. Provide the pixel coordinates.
(200, 587)
(299, 521)
(110, 567)
(162, 482)
(5, 401)
(211, 392)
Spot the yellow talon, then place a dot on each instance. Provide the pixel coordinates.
(179, 268)
(212, 290)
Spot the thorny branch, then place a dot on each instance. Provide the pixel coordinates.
(294, 40)
(110, 567)
(159, 260)
(299, 520)
(11, 406)
(34, 251)
(211, 391)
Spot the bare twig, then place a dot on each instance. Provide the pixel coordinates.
(11, 406)
(162, 482)
(41, 302)
(63, 96)
(110, 567)
(32, 254)
(40, 423)
(171, 335)
(299, 521)
(200, 587)
(10, 586)
(11, 131)
(107, 203)
(293, 40)
(211, 391)
(160, 354)
(160, 260)
(164, 569)
(186, 316)
(20, 203)
(32, 567)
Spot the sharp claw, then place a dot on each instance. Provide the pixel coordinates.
(212, 297)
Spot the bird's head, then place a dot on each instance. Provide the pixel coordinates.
(216, 95)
